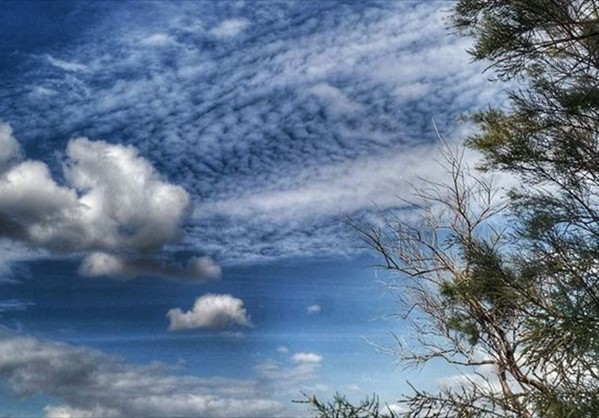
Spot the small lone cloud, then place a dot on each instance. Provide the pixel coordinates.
(210, 311)
(306, 358)
(314, 309)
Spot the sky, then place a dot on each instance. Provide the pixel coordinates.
(175, 179)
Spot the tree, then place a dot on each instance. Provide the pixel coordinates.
(517, 310)
(340, 407)
(549, 137)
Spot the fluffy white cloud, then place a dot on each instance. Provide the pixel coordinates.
(113, 200)
(92, 384)
(314, 309)
(197, 269)
(210, 311)
(307, 358)
(123, 201)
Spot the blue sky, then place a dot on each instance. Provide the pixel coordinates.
(174, 179)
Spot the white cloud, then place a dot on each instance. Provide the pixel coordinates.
(68, 412)
(336, 189)
(123, 203)
(314, 309)
(197, 269)
(282, 349)
(230, 28)
(91, 383)
(210, 311)
(354, 388)
(337, 102)
(159, 39)
(66, 65)
(14, 305)
(10, 150)
(113, 200)
(307, 358)
(289, 375)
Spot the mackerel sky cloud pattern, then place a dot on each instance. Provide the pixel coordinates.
(287, 99)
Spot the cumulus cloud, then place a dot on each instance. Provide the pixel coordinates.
(230, 28)
(197, 269)
(307, 358)
(91, 383)
(210, 311)
(314, 309)
(113, 200)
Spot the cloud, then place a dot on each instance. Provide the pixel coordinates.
(10, 150)
(15, 305)
(65, 65)
(159, 39)
(230, 28)
(314, 309)
(210, 311)
(91, 383)
(197, 269)
(113, 200)
(289, 375)
(307, 358)
(282, 349)
(276, 135)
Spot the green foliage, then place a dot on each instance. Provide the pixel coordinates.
(340, 407)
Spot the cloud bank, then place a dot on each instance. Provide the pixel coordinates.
(210, 311)
(92, 384)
